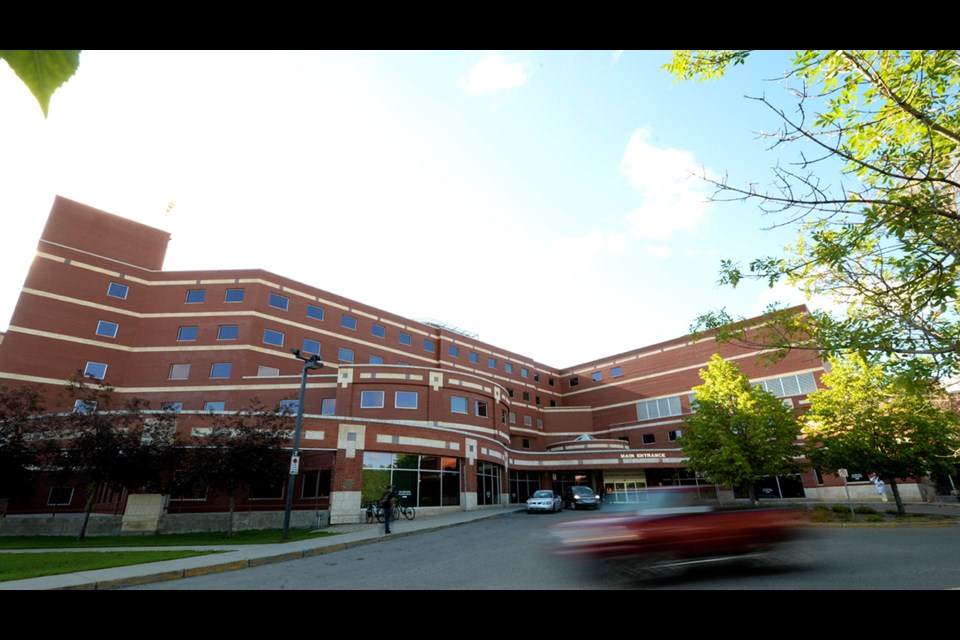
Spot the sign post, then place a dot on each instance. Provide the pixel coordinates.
(843, 474)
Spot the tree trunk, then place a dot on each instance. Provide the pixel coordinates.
(230, 521)
(752, 493)
(86, 512)
(901, 510)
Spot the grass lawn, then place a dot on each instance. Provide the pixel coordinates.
(20, 566)
(213, 538)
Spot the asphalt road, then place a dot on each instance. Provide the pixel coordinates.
(515, 553)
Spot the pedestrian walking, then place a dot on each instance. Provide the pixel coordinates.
(878, 484)
(387, 502)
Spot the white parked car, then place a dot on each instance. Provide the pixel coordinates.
(544, 500)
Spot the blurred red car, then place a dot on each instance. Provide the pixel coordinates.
(668, 529)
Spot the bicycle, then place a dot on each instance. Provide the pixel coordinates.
(375, 512)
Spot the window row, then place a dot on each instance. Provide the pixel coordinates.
(795, 385)
(328, 406)
(659, 408)
(401, 399)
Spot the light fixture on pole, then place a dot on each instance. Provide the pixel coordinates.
(309, 362)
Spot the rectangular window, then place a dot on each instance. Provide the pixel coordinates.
(179, 372)
(537, 399)
(574, 381)
(492, 363)
(171, 406)
(405, 339)
(311, 346)
(344, 354)
(526, 396)
(278, 301)
(328, 407)
(348, 322)
(524, 372)
(551, 382)
(371, 399)
(220, 370)
(117, 290)
(428, 345)
(107, 329)
(553, 403)
(264, 371)
(378, 330)
(674, 435)
(214, 405)
(315, 312)
(228, 332)
(648, 438)
(596, 376)
(289, 407)
(616, 372)
(513, 418)
(60, 497)
(376, 360)
(233, 295)
(272, 337)
(526, 443)
(508, 367)
(84, 406)
(454, 351)
(405, 400)
(480, 408)
(473, 357)
(458, 404)
(503, 416)
(536, 377)
(187, 334)
(96, 370)
(528, 421)
(509, 392)
(659, 408)
(539, 423)
(196, 296)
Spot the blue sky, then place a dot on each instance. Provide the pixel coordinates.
(544, 200)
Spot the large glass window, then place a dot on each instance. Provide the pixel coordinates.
(453, 350)
(315, 312)
(279, 302)
(289, 407)
(96, 370)
(405, 400)
(428, 345)
(489, 481)
(421, 481)
(233, 295)
(196, 296)
(378, 330)
(220, 370)
(273, 337)
(107, 329)
(659, 408)
(311, 346)
(405, 338)
(348, 322)
(458, 404)
(187, 334)
(371, 399)
(328, 407)
(214, 405)
(228, 332)
(117, 290)
(344, 354)
(179, 372)
(473, 357)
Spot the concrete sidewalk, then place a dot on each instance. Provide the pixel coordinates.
(243, 556)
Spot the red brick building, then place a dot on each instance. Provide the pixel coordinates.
(453, 421)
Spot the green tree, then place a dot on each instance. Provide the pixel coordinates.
(43, 71)
(738, 433)
(238, 450)
(869, 417)
(24, 430)
(882, 238)
(119, 447)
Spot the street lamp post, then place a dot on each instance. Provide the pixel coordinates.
(309, 362)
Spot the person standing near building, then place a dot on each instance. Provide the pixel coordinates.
(878, 484)
(387, 503)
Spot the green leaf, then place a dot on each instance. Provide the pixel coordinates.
(43, 71)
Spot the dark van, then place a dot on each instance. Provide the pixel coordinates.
(580, 497)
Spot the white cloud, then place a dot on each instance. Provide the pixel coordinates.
(673, 197)
(493, 73)
(660, 251)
